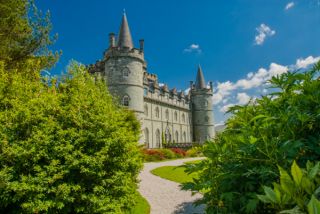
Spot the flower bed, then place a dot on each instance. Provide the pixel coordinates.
(151, 155)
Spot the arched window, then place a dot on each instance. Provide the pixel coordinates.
(206, 103)
(184, 137)
(145, 91)
(168, 135)
(167, 114)
(146, 110)
(206, 119)
(177, 137)
(125, 100)
(175, 116)
(158, 138)
(125, 72)
(157, 112)
(183, 118)
(146, 136)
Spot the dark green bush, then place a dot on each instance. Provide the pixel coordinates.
(273, 130)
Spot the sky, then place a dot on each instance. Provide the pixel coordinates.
(240, 44)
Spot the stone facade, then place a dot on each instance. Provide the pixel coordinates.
(164, 114)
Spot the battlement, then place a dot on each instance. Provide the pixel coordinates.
(124, 52)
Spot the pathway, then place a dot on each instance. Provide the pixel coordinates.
(164, 196)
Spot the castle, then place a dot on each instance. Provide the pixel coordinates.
(165, 115)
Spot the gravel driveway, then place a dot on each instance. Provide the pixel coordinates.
(164, 196)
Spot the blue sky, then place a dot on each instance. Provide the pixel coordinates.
(239, 43)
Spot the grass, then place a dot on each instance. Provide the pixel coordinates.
(142, 206)
(175, 173)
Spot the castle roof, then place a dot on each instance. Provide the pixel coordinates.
(200, 83)
(125, 39)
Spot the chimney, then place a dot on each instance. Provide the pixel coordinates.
(211, 87)
(191, 85)
(141, 42)
(112, 40)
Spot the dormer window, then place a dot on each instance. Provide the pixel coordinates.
(125, 100)
(125, 72)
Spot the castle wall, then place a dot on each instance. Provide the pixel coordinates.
(166, 118)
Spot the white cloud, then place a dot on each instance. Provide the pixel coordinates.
(186, 91)
(264, 31)
(225, 108)
(304, 63)
(216, 98)
(161, 84)
(289, 5)
(243, 98)
(193, 48)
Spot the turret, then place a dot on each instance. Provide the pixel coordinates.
(202, 113)
(124, 69)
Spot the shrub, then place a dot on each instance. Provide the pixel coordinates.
(168, 154)
(297, 193)
(194, 152)
(65, 148)
(153, 155)
(179, 152)
(272, 131)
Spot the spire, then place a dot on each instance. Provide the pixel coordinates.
(125, 39)
(200, 83)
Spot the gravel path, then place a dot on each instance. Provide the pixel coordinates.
(164, 196)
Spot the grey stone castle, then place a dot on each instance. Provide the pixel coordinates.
(164, 114)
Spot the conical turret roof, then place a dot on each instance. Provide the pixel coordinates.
(124, 38)
(200, 83)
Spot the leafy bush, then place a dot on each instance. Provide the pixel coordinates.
(297, 193)
(179, 152)
(273, 130)
(168, 154)
(65, 147)
(153, 155)
(195, 151)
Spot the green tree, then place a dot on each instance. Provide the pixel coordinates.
(24, 36)
(273, 130)
(65, 147)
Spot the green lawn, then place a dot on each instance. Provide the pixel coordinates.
(142, 206)
(175, 173)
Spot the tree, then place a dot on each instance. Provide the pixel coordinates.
(65, 146)
(272, 131)
(24, 36)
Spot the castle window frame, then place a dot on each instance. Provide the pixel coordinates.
(125, 72)
(183, 118)
(177, 137)
(167, 114)
(158, 139)
(145, 91)
(175, 116)
(184, 139)
(157, 112)
(125, 100)
(146, 136)
(146, 110)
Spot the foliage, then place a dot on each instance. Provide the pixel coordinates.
(24, 36)
(65, 147)
(297, 193)
(273, 130)
(195, 151)
(179, 152)
(141, 207)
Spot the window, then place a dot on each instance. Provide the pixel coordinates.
(125, 100)
(158, 138)
(145, 91)
(167, 114)
(168, 135)
(125, 72)
(206, 119)
(146, 110)
(157, 112)
(205, 103)
(184, 137)
(175, 116)
(177, 137)
(146, 136)
(183, 118)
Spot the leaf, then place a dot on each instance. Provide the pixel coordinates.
(270, 194)
(295, 210)
(314, 206)
(296, 173)
(314, 171)
(286, 182)
(264, 199)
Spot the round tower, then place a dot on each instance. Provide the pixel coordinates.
(124, 69)
(202, 113)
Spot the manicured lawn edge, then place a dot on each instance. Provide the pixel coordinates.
(142, 206)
